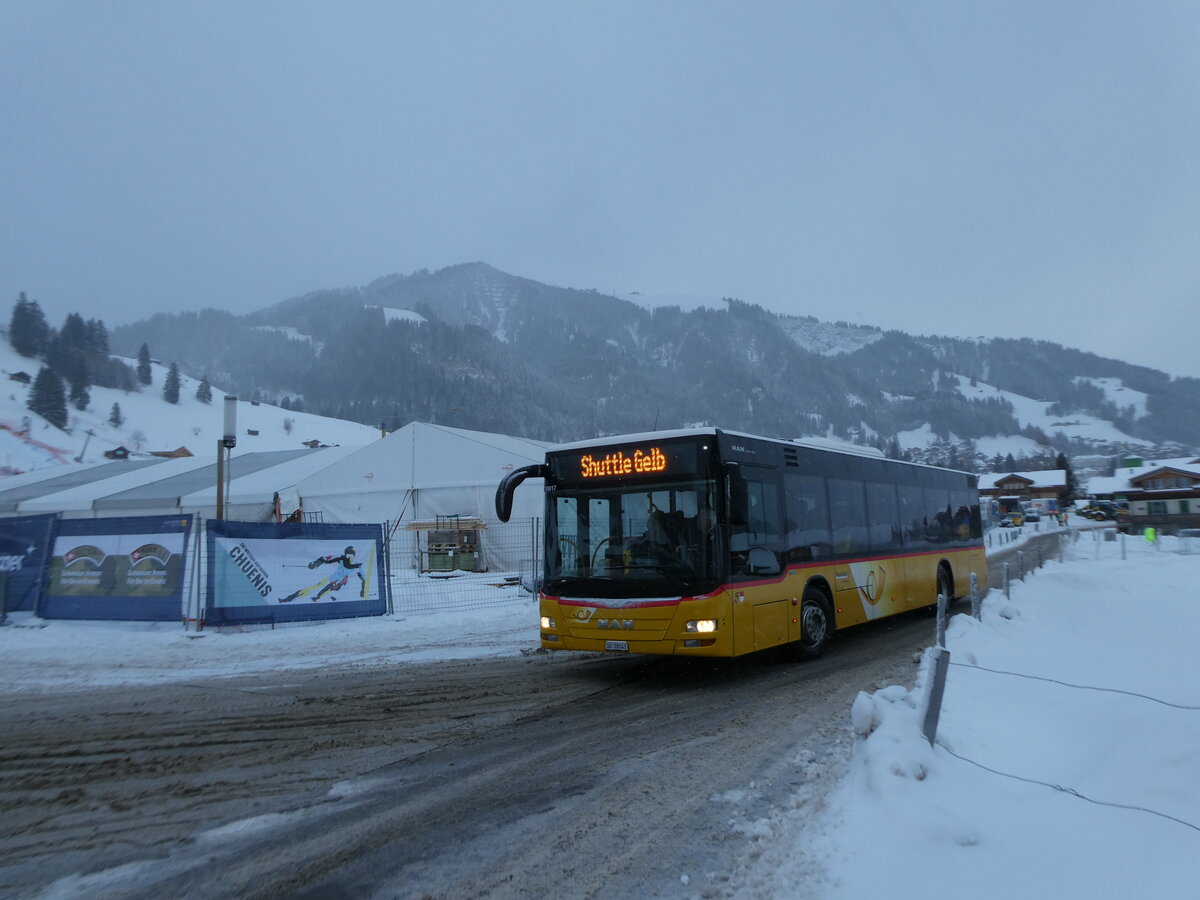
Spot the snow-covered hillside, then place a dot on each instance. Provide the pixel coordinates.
(828, 338)
(1076, 425)
(151, 424)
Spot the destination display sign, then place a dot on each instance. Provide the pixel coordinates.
(651, 459)
(600, 464)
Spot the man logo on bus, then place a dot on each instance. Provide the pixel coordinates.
(584, 613)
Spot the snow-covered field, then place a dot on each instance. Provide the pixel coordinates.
(29, 443)
(1065, 763)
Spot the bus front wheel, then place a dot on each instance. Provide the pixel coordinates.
(816, 624)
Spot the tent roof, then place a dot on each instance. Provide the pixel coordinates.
(193, 480)
(253, 484)
(61, 479)
(421, 455)
(126, 475)
(418, 455)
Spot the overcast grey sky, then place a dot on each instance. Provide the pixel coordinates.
(960, 168)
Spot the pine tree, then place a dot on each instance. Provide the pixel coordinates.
(171, 388)
(1072, 490)
(204, 391)
(115, 418)
(47, 398)
(97, 336)
(74, 332)
(79, 395)
(28, 332)
(144, 373)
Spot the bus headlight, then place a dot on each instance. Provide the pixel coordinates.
(701, 626)
(548, 624)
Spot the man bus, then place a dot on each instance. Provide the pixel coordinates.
(706, 542)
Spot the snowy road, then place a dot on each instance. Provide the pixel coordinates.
(571, 775)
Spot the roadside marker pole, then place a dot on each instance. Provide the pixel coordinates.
(933, 707)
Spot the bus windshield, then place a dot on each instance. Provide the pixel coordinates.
(621, 541)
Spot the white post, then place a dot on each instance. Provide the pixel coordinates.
(942, 610)
(933, 708)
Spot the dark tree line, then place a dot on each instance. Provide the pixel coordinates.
(75, 357)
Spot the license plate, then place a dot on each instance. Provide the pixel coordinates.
(616, 645)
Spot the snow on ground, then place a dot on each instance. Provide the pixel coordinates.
(46, 655)
(401, 315)
(1018, 445)
(828, 338)
(1065, 762)
(1115, 391)
(292, 334)
(28, 442)
(1037, 413)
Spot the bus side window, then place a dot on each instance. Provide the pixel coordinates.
(912, 515)
(763, 529)
(807, 505)
(940, 516)
(883, 513)
(848, 517)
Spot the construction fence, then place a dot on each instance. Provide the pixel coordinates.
(453, 564)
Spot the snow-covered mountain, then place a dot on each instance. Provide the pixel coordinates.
(474, 347)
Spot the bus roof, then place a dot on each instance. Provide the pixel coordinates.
(637, 438)
(817, 443)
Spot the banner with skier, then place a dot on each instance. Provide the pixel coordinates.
(266, 572)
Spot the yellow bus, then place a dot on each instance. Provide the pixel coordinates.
(705, 542)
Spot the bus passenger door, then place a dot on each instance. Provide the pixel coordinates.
(756, 561)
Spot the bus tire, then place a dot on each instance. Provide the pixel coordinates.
(945, 584)
(816, 624)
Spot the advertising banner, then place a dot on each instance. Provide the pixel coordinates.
(266, 572)
(129, 569)
(24, 549)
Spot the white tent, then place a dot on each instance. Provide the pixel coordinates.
(416, 474)
(422, 472)
(155, 486)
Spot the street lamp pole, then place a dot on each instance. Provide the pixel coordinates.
(227, 442)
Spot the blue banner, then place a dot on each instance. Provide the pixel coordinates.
(266, 572)
(24, 549)
(129, 569)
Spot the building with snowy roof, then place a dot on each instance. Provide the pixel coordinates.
(1050, 484)
(1163, 494)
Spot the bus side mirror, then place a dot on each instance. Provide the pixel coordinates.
(739, 498)
(508, 485)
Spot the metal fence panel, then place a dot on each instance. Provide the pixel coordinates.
(419, 588)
